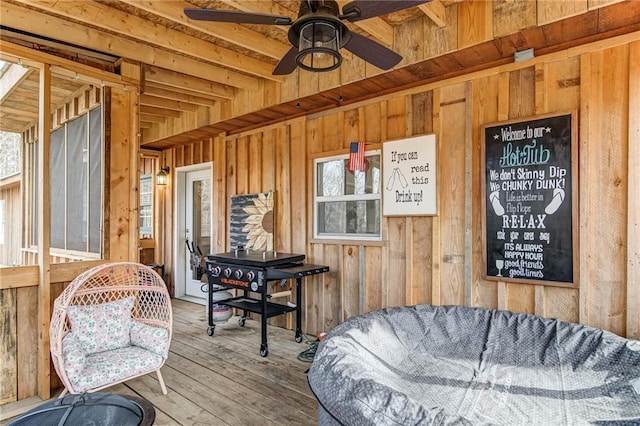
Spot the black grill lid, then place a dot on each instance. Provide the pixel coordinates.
(255, 258)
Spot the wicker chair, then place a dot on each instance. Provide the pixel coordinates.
(111, 324)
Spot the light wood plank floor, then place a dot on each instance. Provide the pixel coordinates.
(223, 380)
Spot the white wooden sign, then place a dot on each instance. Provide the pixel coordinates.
(409, 177)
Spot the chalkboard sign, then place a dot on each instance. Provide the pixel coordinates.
(529, 200)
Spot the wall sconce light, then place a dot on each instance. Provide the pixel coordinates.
(162, 176)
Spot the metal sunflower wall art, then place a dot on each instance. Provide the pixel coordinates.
(252, 221)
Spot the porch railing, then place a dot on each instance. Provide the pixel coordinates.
(30, 256)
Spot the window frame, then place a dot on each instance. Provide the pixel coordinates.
(147, 178)
(150, 163)
(343, 198)
(86, 119)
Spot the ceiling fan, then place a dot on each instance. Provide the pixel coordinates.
(318, 33)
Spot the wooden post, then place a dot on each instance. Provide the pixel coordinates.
(220, 192)
(633, 218)
(436, 247)
(44, 226)
(134, 159)
(468, 198)
(503, 114)
(123, 176)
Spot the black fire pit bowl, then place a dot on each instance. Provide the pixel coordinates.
(90, 409)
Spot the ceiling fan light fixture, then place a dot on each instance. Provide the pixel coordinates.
(318, 46)
(318, 33)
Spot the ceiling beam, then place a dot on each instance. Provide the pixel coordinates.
(22, 112)
(376, 26)
(163, 112)
(31, 56)
(12, 77)
(149, 118)
(25, 95)
(194, 84)
(20, 18)
(159, 102)
(233, 33)
(63, 73)
(261, 6)
(162, 91)
(111, 19)
(378, 29)
(32, 86)
(13, 124)
(435, 11)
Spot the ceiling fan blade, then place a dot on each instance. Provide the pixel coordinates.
(236, 17)
(288, 62)
(372, 52)
(363, 9)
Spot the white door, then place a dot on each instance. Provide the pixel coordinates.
(198, 219)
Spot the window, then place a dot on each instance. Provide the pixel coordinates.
(146, 206)
(76, 184)
(347, 205)
(148, 167)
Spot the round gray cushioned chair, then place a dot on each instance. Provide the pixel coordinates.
(466, 366)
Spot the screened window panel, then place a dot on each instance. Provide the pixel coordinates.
(77, 170)
(34, 191)
(76, 184)
(57, 181)
(95, 180)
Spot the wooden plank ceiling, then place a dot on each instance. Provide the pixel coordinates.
(217, 57)
(188, 65)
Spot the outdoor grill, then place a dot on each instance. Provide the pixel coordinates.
(250, 271)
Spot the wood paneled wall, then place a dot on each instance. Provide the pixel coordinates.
(12, 225)
(439, 259)
(19, 325)
(20, 287)
(122, 178)
(467, 23)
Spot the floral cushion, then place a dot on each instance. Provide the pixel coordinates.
(102, 327)
(154, 339)
(114, 366)
(73, 355)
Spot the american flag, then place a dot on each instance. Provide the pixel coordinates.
(356, 157)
